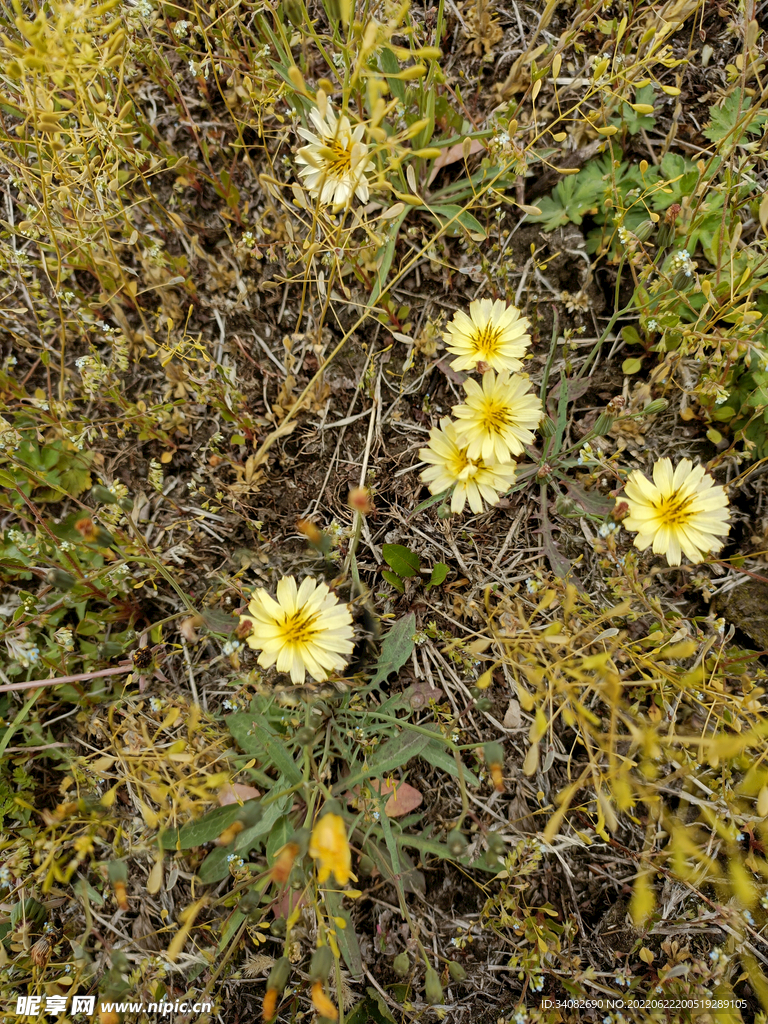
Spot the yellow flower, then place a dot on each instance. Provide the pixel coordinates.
(498, 417)
(493, 333)
(472, 480)
(305, 630)
(329, 846)
(335, 162)
(681, 512)
(322, 1003)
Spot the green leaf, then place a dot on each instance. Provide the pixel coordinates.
(372, 1008)
(632, 365)
(636, 122)
(591, 501)
(439, 572)
(431, 500)
(394, 579)
(261, 741)
(215, 866)
(458, 216)
(395, 753)
(279, 836)
(404, 561)
(345, 937)
(734, 111)
(391, 66)
(396, 648)
(218, 621)
(204, 830)
(435, 754)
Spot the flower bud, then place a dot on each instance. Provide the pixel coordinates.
(305, 736)
(621, 511)
(321, 963)
(250, 901)
(126, 504)
(604, 424)
(278, 976)
(657, 405)
(456, 843)
(565, 506)
(102, 495)
(494, 758)
(547, 427)
(60, 579)
(360, 500)
(322, 1003)
(294, 11)
(433, 990)
(682, 280)
(401, 965)
(278, 927)
(456, 971)
(496, 844)
(484, 704)
(645, 230)
(443, 511)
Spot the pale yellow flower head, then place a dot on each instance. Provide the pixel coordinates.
(682, 512)
(472, 479)
(335, 163)
(329, 847)
(305, 630)
(493, 333)
(498, 418)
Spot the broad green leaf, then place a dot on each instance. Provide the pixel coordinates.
(236, 918)
(395, 753)
(394, 579)
(215, 866)
(396, 648)
(279, 836)
(390, 65)
(204, 830)
(372, 1008)
(258, 739)
(457, 216)
(439, 572)
(432, 500)
(404, 561)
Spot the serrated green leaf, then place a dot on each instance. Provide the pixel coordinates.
(734, 111)
(395, 753)
(436, 754)
(396, 648)
(218, 621)
(261, 741)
